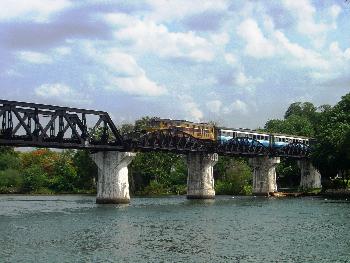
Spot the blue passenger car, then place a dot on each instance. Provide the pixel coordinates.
(268, 140)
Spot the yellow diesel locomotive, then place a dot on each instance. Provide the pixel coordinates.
(204, 131)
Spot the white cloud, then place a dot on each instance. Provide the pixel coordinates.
(164, 10)
(231, 59)
(63, 51)
(335, 11)
(34, 57)
(306, 24)
(303, 57)
(220, 39)
(214, 106)
(304, 11)
(347, 53)
(123, 73)
(37, 10)
(238, 106)
(136, 85)
(191, 108)
(247, 82)
(276, 44)
(337, 53)
(61, 92)
(257, 45)
(146, 35)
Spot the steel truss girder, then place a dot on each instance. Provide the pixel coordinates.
(169, 141)
(71, 121)
(294, 150)
(242, 146)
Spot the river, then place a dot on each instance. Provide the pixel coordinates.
(173, 229)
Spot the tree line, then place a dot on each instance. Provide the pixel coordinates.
(157, 173)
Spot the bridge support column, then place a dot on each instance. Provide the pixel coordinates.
(113, 183)
(310, 178)
(200, 180)
(264, 175)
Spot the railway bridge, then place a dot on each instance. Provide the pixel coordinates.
(37, 125)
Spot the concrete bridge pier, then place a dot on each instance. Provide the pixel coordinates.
(264, 175)
(113, 183)
(310, 177)
(200, 180)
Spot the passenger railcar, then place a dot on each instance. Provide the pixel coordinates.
(206, 131)
(274, 140)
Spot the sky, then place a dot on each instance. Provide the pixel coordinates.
(238, 63)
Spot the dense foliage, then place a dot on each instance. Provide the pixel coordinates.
(330, 126)
(332, 152)
(232, 176)
(45, 171)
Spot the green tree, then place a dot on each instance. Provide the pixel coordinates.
(35, 178)
(331, 152)
(64, 174)
(11, 181)
(86, 170)
(293, 125)
(301, 109)
(9, 159)
(233, 177)
(167, 169)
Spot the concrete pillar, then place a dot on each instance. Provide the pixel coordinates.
(113, 184)
(200, 180)
(264, 175)
(310, 178)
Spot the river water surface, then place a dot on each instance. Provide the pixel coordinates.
(173, 229)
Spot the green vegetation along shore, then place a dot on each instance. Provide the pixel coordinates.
(43, 171)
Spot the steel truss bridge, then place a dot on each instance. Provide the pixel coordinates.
(37, 125)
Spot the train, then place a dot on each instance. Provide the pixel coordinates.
(210, 132)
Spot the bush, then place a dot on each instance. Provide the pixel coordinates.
(11, 181)
(34, 178)
(235, 178)
(9, 160)
(154, 188)
(64, 176)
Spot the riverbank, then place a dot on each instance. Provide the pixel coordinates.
(331, 193)
(336, 193)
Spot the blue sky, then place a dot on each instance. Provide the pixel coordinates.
(239, 63)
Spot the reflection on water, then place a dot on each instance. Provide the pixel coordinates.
(173, 229)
